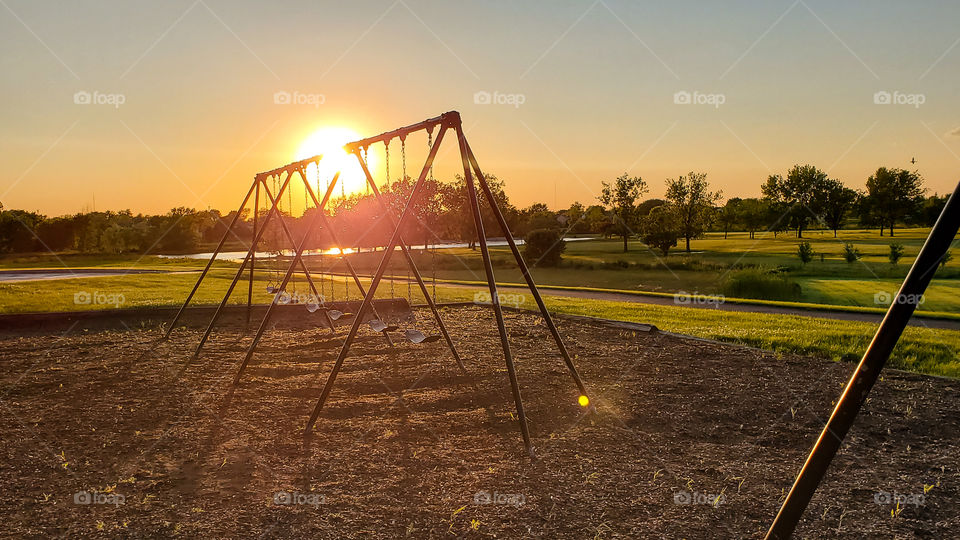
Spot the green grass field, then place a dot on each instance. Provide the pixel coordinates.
(592, 264)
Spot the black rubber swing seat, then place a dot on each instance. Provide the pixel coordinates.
(417, 337)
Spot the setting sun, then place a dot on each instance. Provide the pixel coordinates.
(329, 141)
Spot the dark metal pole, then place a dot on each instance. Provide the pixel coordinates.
(236, 278)
(867, 372)
(492, 285)
(525, 271)
(283, 286)
(325, 223)
(253, 260)
(378, 276)
(289, 235)
(413, 265)
(213, 257)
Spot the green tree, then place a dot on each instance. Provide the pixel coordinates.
(797, 192)
(834, 200)
(621, 197)
(661, 228)
(893, 194)
(693, 202)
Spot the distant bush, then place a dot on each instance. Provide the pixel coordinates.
(896, 252)
(805, 252)
(761, 284)
(544, 247)
(850, 252)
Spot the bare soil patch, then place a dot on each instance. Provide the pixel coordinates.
(690, 439)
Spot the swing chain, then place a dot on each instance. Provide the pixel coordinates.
(403, 155)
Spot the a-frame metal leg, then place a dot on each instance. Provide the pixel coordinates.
(525, 271)
(253, 260)
(494, 296)
(412, 265)
(213, 257)
(325, 223)
(236, 278)
(868, 371)
(368, 298)
(319, 216)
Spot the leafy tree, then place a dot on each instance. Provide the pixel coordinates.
(805, 252)
(797, 192)
(834, 200)
(753, 214)
(728, 216)
(621, 197)
(930, 209)
(646, 206)
(544, 247)
(893, 194)
(661, 228)
(693, 201)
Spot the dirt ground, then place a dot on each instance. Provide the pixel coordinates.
(102, 435)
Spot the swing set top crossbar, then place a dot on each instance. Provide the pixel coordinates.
(450, 119)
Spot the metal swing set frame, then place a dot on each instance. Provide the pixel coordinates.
(473, 176)
(814, 469)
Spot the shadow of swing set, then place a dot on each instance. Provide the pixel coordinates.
(367, 313)
(834, 431)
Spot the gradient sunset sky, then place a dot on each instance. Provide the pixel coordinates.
(598, 82)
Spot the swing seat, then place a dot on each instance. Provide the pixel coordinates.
(417, 337)
(312, 307)
(380, 326)
(337, 314)
(271, 289)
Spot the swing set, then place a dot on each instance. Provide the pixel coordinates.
(367, 313)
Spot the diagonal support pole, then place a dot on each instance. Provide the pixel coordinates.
(378, 276)
(213, 257)
(410, 262)
(253, 260)
(325, 223)
(525, 271)
(867, 372)
(492, 285)
(236, 278)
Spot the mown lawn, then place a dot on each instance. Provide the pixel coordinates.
(931, 351)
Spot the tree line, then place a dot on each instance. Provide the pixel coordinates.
(803, 198)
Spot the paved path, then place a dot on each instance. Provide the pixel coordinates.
(9, 276)
(730, 306)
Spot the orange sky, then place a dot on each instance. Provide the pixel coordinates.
(183, 108)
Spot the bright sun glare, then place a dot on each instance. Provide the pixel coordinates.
(329, 142)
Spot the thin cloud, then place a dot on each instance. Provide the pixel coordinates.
(955, 132)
